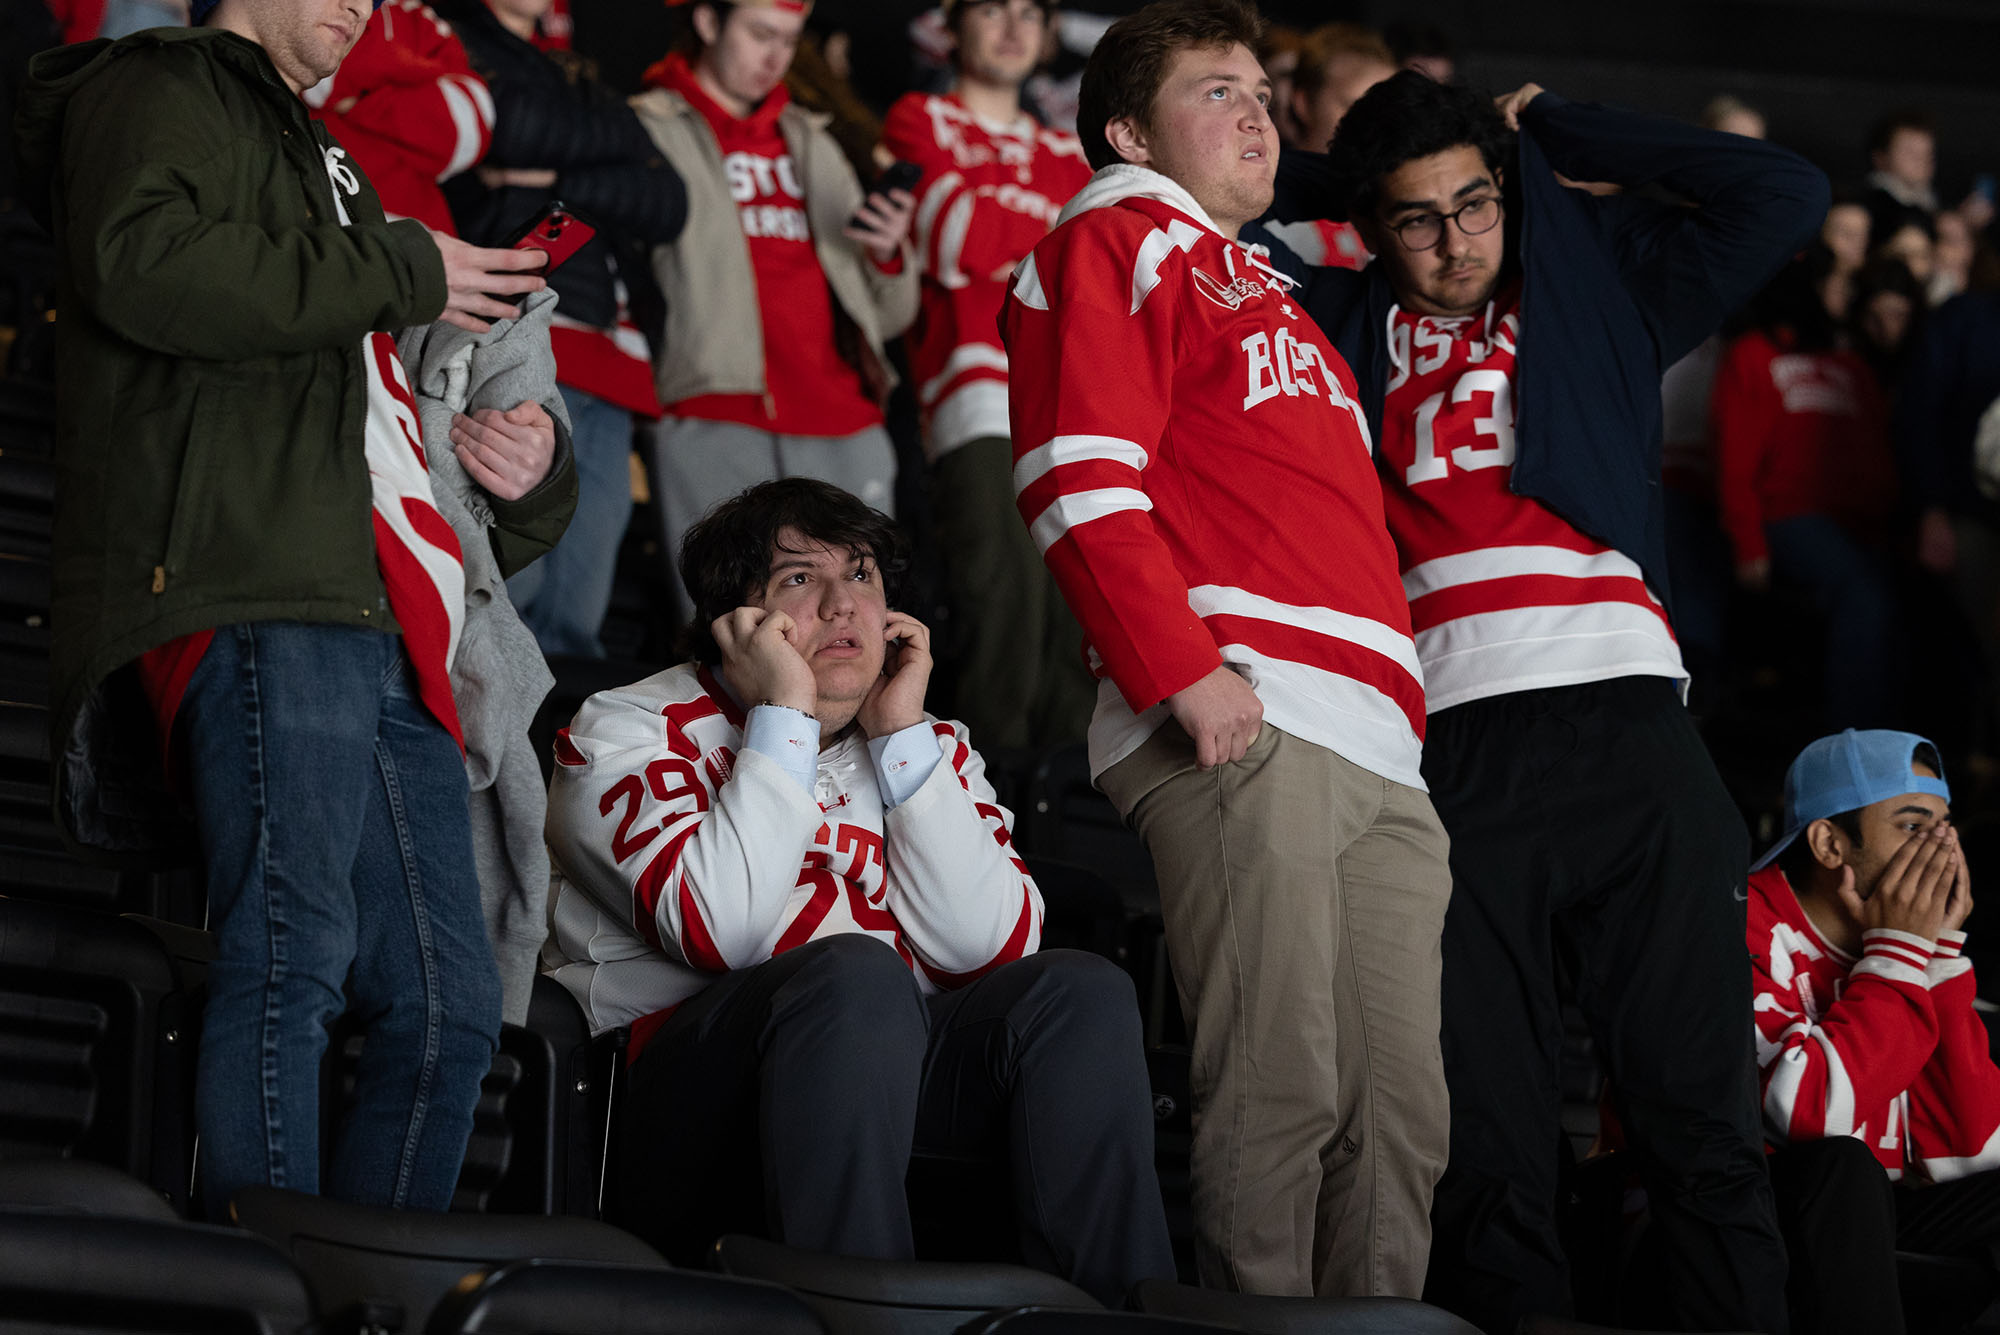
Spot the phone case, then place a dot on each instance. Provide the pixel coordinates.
(559, 233)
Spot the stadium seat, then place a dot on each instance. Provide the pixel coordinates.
(1082, 910)
(63, 1272)
(1557, 1325)
(356, 1256)
(568, 1298)
(97, 1042)
(862, 1297)
(1297, 1316)
(1063, 816)
(49, 1185)
(1069, 1321)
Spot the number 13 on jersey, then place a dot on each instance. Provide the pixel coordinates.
(1492, 445)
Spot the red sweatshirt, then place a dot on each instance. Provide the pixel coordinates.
(1799, 433)
(406, 104)
(1191, 459)
(1885, 1048)
(813, 391)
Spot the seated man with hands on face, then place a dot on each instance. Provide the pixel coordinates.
(1881, 1098)
(797, 888)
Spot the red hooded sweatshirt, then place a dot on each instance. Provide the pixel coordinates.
(810, 389)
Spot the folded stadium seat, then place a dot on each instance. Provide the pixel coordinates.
(96, 1042)
(1069, 1321)
(49, 1185)
(854, 1296)
(570, 1298)
(27, 415)
(33, 862)
(1062, 815)
(1298, 1316)
(1169, 1071)
(1082, 911)
(399, 1263)
(63, 1272)
(1557, 1325)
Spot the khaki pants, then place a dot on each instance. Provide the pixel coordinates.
(1304, 899)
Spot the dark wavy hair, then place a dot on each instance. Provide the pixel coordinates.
(1405, 117)
(1129, 63)
(726, 557)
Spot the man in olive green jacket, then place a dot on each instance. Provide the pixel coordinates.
(255, 602)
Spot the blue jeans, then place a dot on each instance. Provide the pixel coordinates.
(332, 811)
(562, 597)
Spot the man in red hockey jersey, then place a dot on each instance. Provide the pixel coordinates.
(1192, 460)
(1875, 1067)
(994, 180)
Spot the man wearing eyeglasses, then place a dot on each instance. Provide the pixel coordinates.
(1590, 833)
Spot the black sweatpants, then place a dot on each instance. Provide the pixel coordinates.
(1844, 1221)
(785, 1099)
(1588, 826)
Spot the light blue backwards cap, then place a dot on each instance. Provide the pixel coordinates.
(1848, 771)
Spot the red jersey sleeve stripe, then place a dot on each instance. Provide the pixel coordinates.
(1054, 453)
(1016, 947)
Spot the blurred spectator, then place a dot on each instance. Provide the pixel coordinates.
(1887, 307)
(784, 286)
(1339, 62)
(1902, 159)
(1952, 382)
(1423, 47)
(1903, 234)
(78, 20)
(408, 108)
(994, 182)
(818, 83)
(1808, 486)
(1732, 115)
(1278, 53)
(560, 134)
(1951, 257)
(1845, 236)
(1698, 557)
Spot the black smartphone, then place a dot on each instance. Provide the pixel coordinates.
(899, 176)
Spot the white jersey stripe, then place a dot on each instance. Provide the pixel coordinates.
(1486, 563)
(469, 133)
(965, 357)
(1529, 648)
(1066, 512)
(1037, 463)
(1209, 600)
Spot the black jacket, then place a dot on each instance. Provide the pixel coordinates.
(1614, 290)
(550, 113)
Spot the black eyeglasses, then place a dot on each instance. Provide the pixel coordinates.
(1425, 230)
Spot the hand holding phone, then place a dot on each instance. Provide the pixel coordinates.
(558, 232)
(900, 176)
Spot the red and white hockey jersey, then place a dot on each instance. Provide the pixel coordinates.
(680, 855)
(1323, 242)
(1195, 468)
(407, 105)
(1505, 594)
(989, 193)
(1886, 1048)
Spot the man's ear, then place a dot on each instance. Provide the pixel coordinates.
(1128, 140)
(707, 24)
(1828, 844)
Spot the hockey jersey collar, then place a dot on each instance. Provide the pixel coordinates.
(1128, 180)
